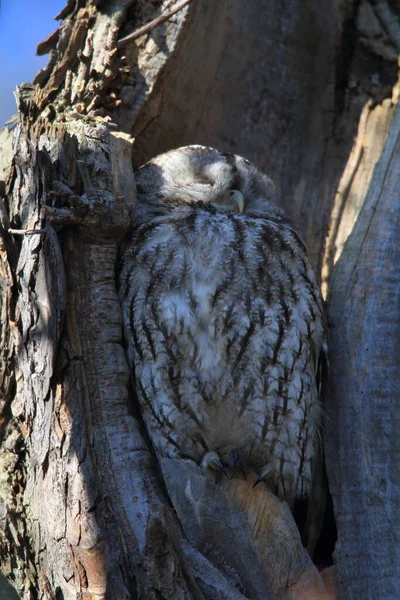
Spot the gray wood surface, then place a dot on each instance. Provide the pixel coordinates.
(363, 424)
(292, 86)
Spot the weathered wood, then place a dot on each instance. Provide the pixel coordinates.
(88, 74)
(282, 83)
(374, 124)
(83, 510)
(245, 531)
(362, 439)
(98, 521)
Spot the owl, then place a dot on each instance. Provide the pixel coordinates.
(223, 320)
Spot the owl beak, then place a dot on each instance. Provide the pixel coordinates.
(238, 199)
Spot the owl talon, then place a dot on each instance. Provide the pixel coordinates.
(264, 475)
(221, 467)
(217, 463)
(212, 461)
(231, 459)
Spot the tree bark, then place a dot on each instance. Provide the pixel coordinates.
(304, 90)
(363, 444)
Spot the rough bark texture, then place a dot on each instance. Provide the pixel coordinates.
(282, 83)
(363, 424)
(97, 518)
(303, 89)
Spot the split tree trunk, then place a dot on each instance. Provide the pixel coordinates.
(304, 90)
(363, 422)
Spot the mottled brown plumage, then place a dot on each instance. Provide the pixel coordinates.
(223, 319)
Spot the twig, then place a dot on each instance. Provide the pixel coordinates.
(142, 30)
(26, 231)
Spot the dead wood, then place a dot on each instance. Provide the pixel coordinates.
(305, 92)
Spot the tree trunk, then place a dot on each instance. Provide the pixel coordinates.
(363, 424)
(304, 90)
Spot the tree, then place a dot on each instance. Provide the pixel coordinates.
(307, 92)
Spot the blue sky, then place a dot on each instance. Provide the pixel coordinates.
(23, 24)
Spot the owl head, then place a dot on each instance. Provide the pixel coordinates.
(201, 177)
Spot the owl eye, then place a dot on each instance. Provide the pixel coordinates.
(238, 199)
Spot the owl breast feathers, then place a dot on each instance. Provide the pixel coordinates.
(223, 319)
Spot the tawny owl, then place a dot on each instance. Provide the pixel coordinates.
(223, 319)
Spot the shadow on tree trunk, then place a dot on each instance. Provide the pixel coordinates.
(305, 90)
